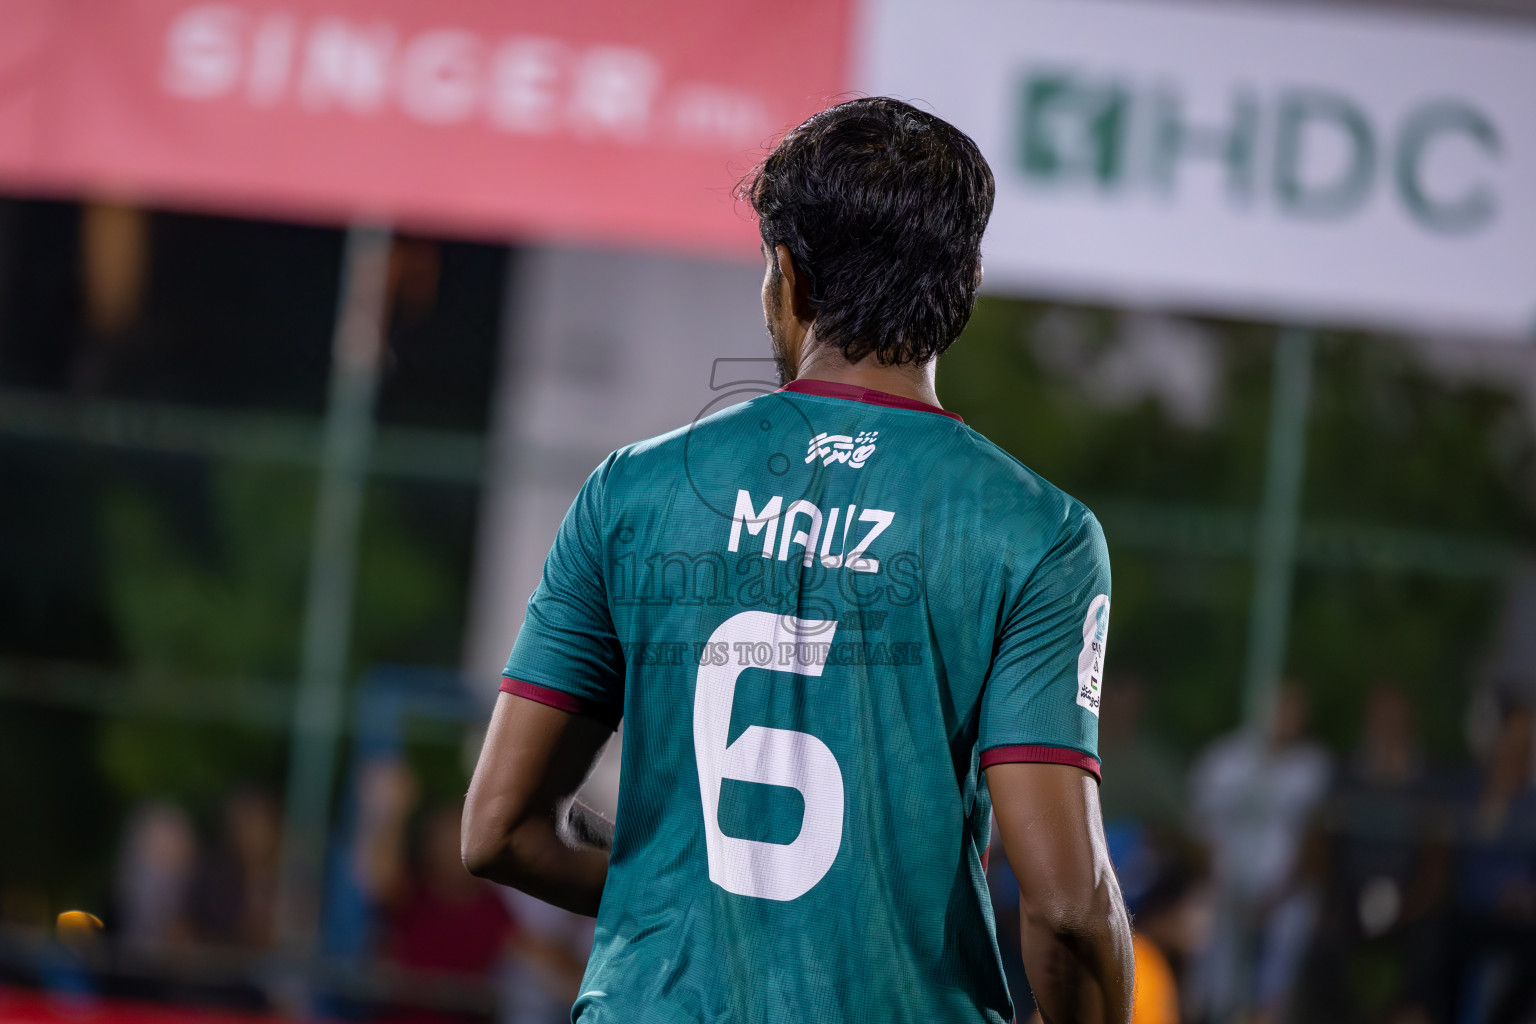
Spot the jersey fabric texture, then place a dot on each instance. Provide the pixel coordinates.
(820, 614)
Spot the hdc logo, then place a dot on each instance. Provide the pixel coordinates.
(1310, 152)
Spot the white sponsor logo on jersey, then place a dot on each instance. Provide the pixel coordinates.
(1090, 661)
(833, 448)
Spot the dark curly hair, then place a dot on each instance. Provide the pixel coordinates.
(882, 207)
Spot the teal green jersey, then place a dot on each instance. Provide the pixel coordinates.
(820, 614)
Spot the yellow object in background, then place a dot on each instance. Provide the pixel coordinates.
(77, 924)
(1157, 991)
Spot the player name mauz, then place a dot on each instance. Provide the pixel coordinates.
(801, 523)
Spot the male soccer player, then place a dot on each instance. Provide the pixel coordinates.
(842, 629)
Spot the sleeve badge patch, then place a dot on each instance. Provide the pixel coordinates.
(1090, 660)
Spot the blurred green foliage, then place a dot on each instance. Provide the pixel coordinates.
(1390, 444)
(221, 604)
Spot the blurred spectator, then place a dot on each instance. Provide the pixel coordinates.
(1254, 797)
(1378, 946)
(235, 888)
(387, 793)
(438, 918)
(1142, 794)
(1496, 882)
(1146, 783)
(542, 981)
(1173, 926)
(444, 918)
(153, 879)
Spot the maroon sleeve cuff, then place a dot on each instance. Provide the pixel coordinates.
(606, 713)
(1041, 755)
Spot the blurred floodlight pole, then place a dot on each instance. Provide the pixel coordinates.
(1275, 548)
(317, 709)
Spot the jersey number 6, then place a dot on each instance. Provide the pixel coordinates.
(774, 757)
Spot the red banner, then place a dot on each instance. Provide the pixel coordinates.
(591, 119)
(22, 1006)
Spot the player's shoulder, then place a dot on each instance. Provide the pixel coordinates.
(1018, 500)
(653, 458)
(676, 441)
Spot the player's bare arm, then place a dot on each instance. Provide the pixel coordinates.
(522, 824)
(1076, 936)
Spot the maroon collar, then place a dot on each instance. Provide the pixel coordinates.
(830, 389)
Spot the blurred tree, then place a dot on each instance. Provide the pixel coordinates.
(223, 605)
(1112, 406)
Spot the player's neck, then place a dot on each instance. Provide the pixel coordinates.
(914, 382)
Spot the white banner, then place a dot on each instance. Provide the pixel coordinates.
(1296, 163)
